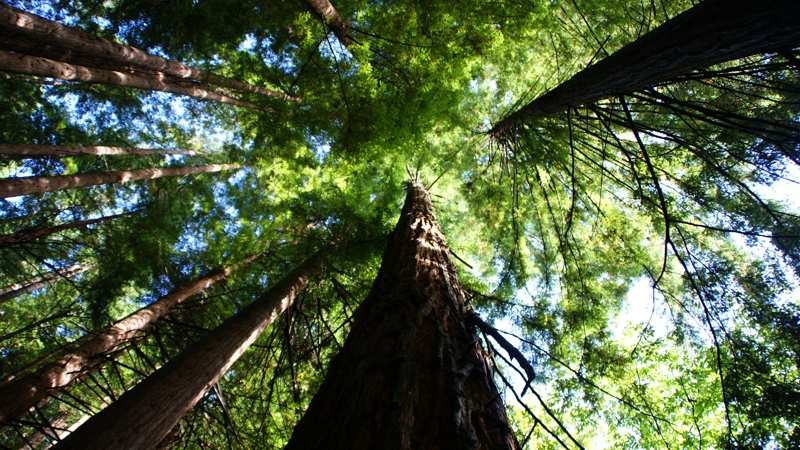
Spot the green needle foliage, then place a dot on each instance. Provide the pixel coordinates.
(642, 251)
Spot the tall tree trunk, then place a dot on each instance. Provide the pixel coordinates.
(17, 151)
(51, 38)
(411, 374)
(11, 187)
(20, 394)
(143, 416)
(157, 81)
(15, 290)
(328, 13)
(31, 234)
(710, 33)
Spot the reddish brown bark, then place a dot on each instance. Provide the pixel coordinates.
(328, 13)
(19, 395)
(143, 416)
(710, 33)
(37, 151)
(51, 38)
(15, 290)
(157, 81)
(31, 234)
(11, 187)
(411, 374)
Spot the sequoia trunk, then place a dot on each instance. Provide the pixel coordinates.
(156, 81)
(11, 187)
(328, 13)
(47, 38)
(710, 33)
(411, 374)
(20, 394)
(15, 151)
(143, 416)
(15, 290)
(31, 234)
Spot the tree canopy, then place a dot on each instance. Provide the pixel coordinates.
(640, 247)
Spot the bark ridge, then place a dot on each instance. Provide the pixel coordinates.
(411, 374)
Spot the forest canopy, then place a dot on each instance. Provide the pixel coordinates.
(217, 216)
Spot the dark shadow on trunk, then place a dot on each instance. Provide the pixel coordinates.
(411, 374)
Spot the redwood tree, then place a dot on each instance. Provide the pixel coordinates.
(16, 151)
(143, 416)
(31, 234)
(712, 32)
(11, 187)
(563, 228)
(24, 392)
(328, 14)
(411, 373)
(17, 289)
(34, 35)
(46, 67)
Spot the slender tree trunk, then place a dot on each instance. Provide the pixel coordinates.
(54, 429)
(35, 65)
(17, 151)
(11, 187)
(20, 394)
(411, 374)
(710, 33)
(31, 234)
(15, 290)
(143, 416)
(51, 38)
(328, 13)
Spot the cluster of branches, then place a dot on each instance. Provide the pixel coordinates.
(688, 133)
(671, 135)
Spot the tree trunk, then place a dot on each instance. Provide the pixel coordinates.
(55, 429)
(12, 187)
(18, 151)
(143, 416)
(20, 394)
(710, 33)
(55, 432)
(411, 374)
(15, 290)
(31, 234)
(51, 38)
(326, 11)
(35, 65)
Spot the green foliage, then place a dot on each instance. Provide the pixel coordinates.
(638, 341)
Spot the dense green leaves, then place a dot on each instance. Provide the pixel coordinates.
(633, 246)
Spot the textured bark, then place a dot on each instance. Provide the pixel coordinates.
(19, 395)
(17, 151)
(710, 33)
(31, 234)
(143, 416)
(328, 13)
(17, 289)
(47, 38)
(11, 187)
(411, 374)
(157, 81)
